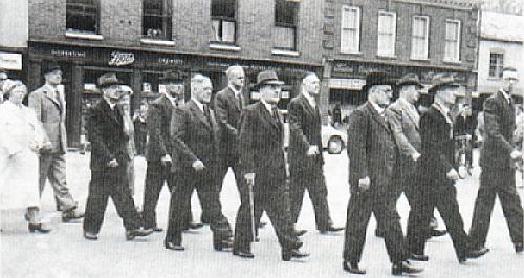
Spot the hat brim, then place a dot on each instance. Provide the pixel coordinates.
(433, 89)
(171, 80)
(409, 83)
(112, 83)
(270, 82)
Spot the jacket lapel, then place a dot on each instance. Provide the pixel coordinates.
(110, 113)
(268, 118)
(199, 114)
(53, 100)
(409, 112)
(508, 108)
(233, 99)
(377, 117)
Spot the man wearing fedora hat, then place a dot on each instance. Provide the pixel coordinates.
(49, 104)
(438, 173)
(372, 154)
(499, 155)
(263, 165)
(159, 148)
(109, 163)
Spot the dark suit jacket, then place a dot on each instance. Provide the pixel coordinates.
(158, 126)
(304, 131)
(108, 139)
(262, 147)
(228, 109)
(194, 138)
(371, 149)
(438, 146)
(499, 126)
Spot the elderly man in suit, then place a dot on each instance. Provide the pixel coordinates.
(498, 157)
(109, 164)
(263, 164)
(438, 173)
(305, 155)
(49, 104)
(160, 147)
(193, 132)
(372, 154)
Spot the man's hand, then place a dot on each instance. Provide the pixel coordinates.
(515, 154)
(415, 156)
(165, 159)
(364, 183)
(452, 175)
(462, 172)
(198, 165)
(113, 163)
(250, 178)
(313, 150)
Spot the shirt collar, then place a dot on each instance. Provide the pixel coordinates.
(237, 92)
(506, 95)
(111, 105)
(444, 111)
(268, 106)
(377, 108)
(171, 99)
(199, 104)
(309, 98)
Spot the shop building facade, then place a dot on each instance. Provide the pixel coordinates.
(13, 38)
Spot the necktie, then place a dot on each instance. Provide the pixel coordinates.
(207, 113)
(274, 113)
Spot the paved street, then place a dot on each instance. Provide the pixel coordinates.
(65, 253)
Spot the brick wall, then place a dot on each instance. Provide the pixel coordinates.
(121, 21)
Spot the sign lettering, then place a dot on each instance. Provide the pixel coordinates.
(121, 58)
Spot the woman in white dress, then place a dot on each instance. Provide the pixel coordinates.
(21, 138)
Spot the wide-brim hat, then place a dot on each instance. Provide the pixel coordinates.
(376, 78)
(50, 67)
(109, 79)
(268, 77)
(441, 81)
(172, 76)
(409, 79)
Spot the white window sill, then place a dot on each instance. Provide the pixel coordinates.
(218, 46)
(157, 42)
(351, 53)
(420, 59)
(393, 57)
(91, 37)
(281, 52)
(452, 62)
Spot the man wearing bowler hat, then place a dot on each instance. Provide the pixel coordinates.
(109, 163)
(263, 165)
(372, 154)
(438, 173)
(49, 104)
(159, 148)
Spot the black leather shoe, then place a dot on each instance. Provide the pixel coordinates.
(419, 257)
(37, 227)
(293, 253)
(296, 244)
(299, 232)
(244, 254)
(379, 233)
(475, 253)
(157, 229)
(90, 236)
(195, 225)
(404, 267)
(437, 233)
(173, 246)
(220, 245)
(519, 247)
(331, 229)
(71, 216)
(131, 234)
(352, 268)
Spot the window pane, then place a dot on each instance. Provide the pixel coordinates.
(82, 15)
(223, 8)
(286, 12)
(284, 37)
(228, 31)
(216, 30)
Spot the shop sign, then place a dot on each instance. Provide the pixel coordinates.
(119, 58)
(348, 84)
(68, 53)
(170, 61)
(11, 61)
(343, 67)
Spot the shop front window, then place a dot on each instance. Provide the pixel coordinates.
(157, 20)
(82, 16)
(286, 21)
(223, 16)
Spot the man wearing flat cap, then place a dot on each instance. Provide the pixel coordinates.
(159, 148)
(49, 104)
(372, 154)
(263, 165)
(498, 158)
(109, 163)
(438, 173)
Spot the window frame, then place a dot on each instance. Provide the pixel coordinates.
(392, 52)
(167, 21)
(498, 66)
(221, 20)
(293, 26)
(97, 18)
(458, 35)
(355, 48)
(426, 39)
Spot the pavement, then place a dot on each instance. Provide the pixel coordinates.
(65, 253)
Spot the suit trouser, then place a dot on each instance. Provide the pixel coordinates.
(495, 182)
(312, 179)
(110, 182)
(53, 167)
(228, 161)
(275, 202)
(205, 184)
(360, 206)
(441, 194)
(156, 175)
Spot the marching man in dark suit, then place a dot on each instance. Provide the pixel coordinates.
(49, 104)
(498, 157)
(160, 147)
(438, 173)
(372, 154)
(305, 155)
(193, 132)
(109, 164)
(263, 165)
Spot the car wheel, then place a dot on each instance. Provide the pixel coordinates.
(335, 145)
